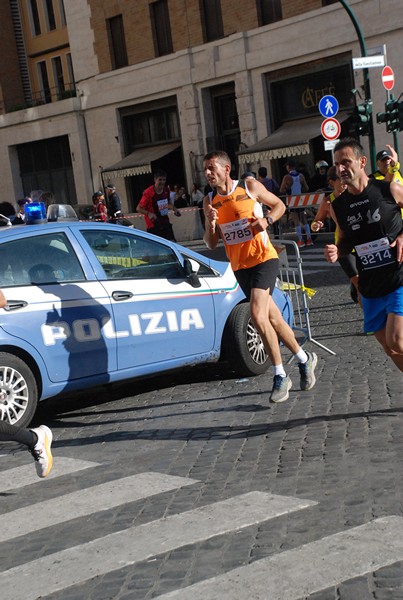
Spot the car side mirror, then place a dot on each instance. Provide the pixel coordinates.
(191, 268)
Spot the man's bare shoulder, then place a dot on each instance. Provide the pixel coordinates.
(254, 186)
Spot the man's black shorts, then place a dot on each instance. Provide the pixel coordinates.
(262, 276)
(165, 232)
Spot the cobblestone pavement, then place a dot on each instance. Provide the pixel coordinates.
(302, 482)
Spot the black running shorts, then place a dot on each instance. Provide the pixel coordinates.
(262, 276)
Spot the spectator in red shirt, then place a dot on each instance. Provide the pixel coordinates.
(100, 210)
(155, 204)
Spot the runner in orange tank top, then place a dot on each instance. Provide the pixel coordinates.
(237, 210)
(233, 210)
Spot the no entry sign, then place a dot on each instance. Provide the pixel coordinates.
(388, 78)
(330, 129)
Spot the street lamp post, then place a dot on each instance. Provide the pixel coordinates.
(367, 88)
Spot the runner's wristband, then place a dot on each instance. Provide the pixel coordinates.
(395, 168)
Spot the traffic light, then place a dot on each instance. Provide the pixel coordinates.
(400, 115)
(393, 116)
(392, 107)
(361, 118)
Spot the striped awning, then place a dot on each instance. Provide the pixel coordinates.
(139, 162)
(291, 139)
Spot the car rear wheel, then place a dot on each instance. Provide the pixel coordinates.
(242, 344)
(18, 391)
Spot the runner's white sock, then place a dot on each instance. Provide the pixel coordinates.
(279, 370)
(301, 356)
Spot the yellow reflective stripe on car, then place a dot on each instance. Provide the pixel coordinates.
(125, 261)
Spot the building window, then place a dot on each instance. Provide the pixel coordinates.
(161, 27)
(45, 93)
(34, 17)
(49, 15)
(269, 11)
(117, 42)
(58, 77)
(70, 71)
(211, 18)
(46, 165)
(225, 124)
(152, 127)
(62, 13)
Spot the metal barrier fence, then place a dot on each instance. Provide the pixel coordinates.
(291, 280)
(310, 200)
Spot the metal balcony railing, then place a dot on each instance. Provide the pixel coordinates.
(46, 96)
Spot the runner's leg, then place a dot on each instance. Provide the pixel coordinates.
(397, 358)
(260, 306)
(394, 338)
(282, 329)
(12, 433)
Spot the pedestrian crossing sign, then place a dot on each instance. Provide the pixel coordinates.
(328, 106)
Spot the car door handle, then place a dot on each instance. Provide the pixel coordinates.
(15, 304)
(118, 296)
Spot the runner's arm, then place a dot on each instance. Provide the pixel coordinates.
(211, 232)
(285, 184)
(304, 185)
(394, 164)
(397, 193)
(343, 246)
(143, 211)
(3, 301)
(322, 214)
(172, 207)
(277, 207)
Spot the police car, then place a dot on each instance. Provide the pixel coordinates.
(93, 303)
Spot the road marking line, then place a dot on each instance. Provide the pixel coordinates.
(313, 567)
(76, 565)
(26, 475)
(86, 502)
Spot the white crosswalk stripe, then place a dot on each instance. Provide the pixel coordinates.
(291, 574)
(22, 476)
(296, 574)
(115, 551)
(86, 502)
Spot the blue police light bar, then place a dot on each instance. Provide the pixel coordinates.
(35, 213)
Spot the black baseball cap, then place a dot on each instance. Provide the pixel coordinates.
(383, 154)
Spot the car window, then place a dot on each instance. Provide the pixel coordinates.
(130, 257)
(41, 259)
(204, 270)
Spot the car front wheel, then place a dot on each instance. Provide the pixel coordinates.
(242, 345)
(18, 391)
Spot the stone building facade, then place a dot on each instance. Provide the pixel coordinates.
(146, 83)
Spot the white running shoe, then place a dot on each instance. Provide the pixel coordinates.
(281, 388)
(307, 371)
(41, 451)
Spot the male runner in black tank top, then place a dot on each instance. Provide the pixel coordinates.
(368, 215)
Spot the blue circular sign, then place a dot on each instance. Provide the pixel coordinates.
(328, 106)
